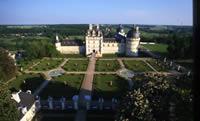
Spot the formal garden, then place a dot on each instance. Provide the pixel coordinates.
(26, 82)
(47, 64)
(107, 65)
(136, 65)
(158, 65)
(108, 86)
(65, 85)
(76, 65)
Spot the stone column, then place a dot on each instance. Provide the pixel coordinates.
(101, 101)
(179, 67)
(50, 101)
(87, 99)
(75, 100)
(62, 100)
(189, 72)
(37, 103)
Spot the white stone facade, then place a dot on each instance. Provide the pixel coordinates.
(95, 42)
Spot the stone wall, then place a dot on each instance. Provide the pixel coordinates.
(71, 49)
(109, 48)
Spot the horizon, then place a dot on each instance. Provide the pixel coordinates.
(143, 12)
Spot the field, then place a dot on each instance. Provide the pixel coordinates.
(76, 65)
(160, 49)
(32, 82)
(107, 65)
(47, 64)
(64, 85)
(136, 65)
(103, 88)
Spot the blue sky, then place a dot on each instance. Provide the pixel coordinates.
(167, 12)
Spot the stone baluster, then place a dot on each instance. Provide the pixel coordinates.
(50, 101)
(75, 100)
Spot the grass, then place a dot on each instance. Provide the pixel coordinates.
(76, 65)
(102, 87)
(160, 49)
(47, 64)
(136, 65)
(107, 65)
(113, 55)
(64, 85)
(26, 64)
(158, 66)
(73, 55)
(32, 82)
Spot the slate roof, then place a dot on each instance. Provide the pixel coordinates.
(69, 42)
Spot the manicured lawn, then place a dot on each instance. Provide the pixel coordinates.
(157, 65)
(47, 64)
(76, 65)
(73, 55)
(64, 85)
(26, 64)
(113, 55)
(103, 88)
(107, 65)
(136, 65)
(157, 48)
(32, 82)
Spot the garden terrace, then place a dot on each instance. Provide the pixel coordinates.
(136, 65)
(108, 86)
(65, 85)
(76, 65)
(47, 64)
(107, 65)
(26, 82)
(158, 65)
(26, 64)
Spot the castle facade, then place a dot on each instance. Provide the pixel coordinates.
(95, 42)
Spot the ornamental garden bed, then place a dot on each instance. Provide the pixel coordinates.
(107, 65)
(76, 65)
(65, 85)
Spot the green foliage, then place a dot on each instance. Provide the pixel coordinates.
(39, 49)
(8, 109)
(7, 66)
(76, 65)
(180, 47)
(151, 98)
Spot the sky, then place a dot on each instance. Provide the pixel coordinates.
(156, 12)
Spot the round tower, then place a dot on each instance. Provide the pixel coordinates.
(132, 41)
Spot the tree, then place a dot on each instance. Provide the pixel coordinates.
(7, 66)
(134, 107)
(8, 109)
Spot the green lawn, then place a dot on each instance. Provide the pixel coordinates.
(26, 64)
(113, 55)
(47, 64)
(107, 65)
(74, 55)
(157, 48)
(103, 88)
(64, 85)
(158, 66)
(76, 65)
(136, 65)
(32, 82)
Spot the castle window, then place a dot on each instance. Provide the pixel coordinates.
(113, 45)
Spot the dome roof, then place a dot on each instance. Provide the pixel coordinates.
(133, 33)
